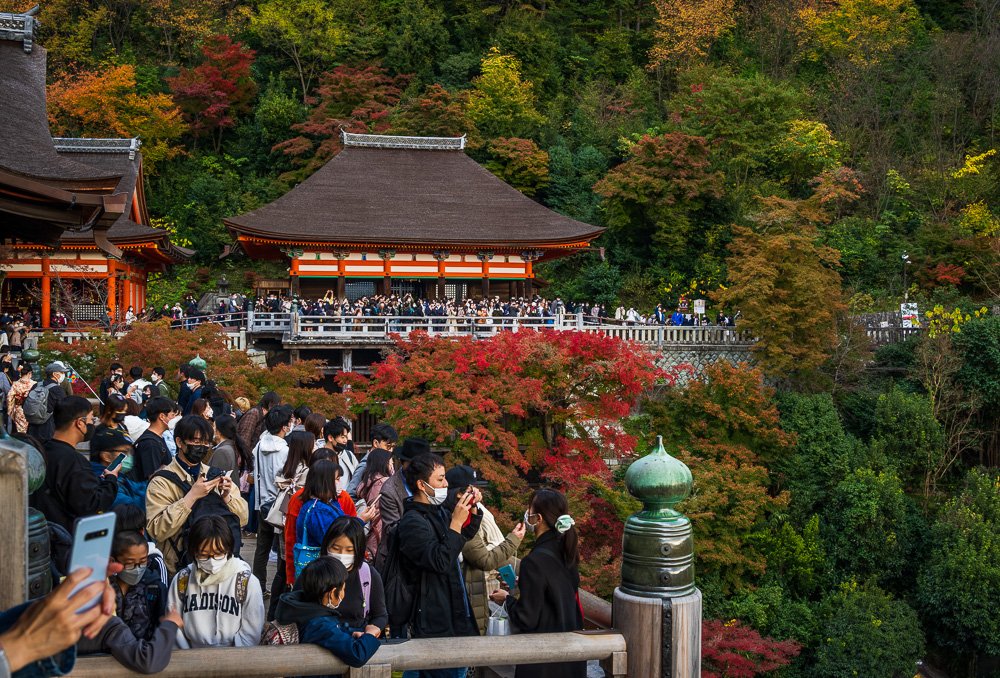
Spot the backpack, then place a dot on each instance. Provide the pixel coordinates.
(279, 634)
(211, 504)
(400, 590)
(36, 404)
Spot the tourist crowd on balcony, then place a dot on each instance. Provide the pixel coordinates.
(366, 542)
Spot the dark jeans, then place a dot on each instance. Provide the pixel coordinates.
(268, 538)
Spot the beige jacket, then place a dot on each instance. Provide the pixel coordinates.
(166, 512)
(480, 560)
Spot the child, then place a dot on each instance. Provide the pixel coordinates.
(133, 518)
(140, 594)
(217, 596)
(135, 654)
(313, 609)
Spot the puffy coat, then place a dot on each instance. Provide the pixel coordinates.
(479, 559)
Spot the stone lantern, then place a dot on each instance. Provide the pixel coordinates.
(657, 596)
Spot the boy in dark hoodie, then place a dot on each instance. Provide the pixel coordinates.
(313, 609)
(141, 656)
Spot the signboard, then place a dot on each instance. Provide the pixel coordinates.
(910, 314)
(699, 307)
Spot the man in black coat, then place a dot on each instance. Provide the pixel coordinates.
(71, 490)
(395, 491)
(430, 541)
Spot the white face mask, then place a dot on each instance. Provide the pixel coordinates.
(530, 527)
(346, 559)
(340, 486)
(173, 422)
(440, 494)
(209, 413)
(333, 605)
(211, 565)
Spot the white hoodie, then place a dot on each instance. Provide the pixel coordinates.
(224, 609)
(268, 459)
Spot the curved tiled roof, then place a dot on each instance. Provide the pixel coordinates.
(390, 189)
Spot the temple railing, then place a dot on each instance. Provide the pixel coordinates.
(411, 655)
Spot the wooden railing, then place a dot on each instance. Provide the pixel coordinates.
(411, 655)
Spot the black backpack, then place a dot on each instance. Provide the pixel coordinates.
(400, 589)
(211, 504)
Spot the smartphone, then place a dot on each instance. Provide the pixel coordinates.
(214, 473)
(117, 462)
(507, 574)
(92, 537)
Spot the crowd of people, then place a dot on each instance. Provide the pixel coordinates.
(387, 541)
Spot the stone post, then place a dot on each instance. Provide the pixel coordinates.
(657, 607)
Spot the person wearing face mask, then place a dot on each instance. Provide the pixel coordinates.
(364, 598)
(217, 596)
(430, 540)
(548, 601)
(140, 594)
(316, 610)
(151, 451)
(195, 383)
(178, 494)
(55, 374)
(337, 433)
(71, 489)
(158, 380)
(113, 414)
(319, 509)
(105, 447)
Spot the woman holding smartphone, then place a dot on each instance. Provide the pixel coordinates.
(548, 582)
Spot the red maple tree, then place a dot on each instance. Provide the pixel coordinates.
(213, 93)
(732, 650)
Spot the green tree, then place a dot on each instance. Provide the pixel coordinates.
(959, 582)
(436, 112)
(419, 39)
(306, 31)
(864, 631)
(502, 104)
(908, 434)
(520, 163)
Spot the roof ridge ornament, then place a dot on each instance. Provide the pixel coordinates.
(394, 141)
(19, 26)
(87, 145)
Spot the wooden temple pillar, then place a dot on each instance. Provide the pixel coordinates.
(46, 294)
(126, 288)
(441, 256)
(340, 256)
(484, 258)
(112, 290)
(386, 256)
(530, 256)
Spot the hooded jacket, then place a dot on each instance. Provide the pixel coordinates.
(322, 626)
(135, 654)
(430, 550)
(269, 458)
(224, 609)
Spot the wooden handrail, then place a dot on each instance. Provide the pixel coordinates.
(427, 653)
(596, 610)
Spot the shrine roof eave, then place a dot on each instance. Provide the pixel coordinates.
(261, 240)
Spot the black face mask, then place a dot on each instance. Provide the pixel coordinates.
(119, 418)
(196, 453)
(90, 431)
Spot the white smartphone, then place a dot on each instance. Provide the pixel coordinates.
(92, 538)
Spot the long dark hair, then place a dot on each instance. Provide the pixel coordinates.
(321, 483)
(376, 465)
(550, 504)
(300, 448)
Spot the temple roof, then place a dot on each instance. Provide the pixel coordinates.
(121, 157)
(422, 190)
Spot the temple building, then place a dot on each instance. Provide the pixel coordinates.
(73, 218)
(408, 215)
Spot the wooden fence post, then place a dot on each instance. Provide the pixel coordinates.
(657, 607)
(13, 521)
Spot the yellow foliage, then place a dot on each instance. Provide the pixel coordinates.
(686, 30)
(973, 164)
(977, 219)
(862, 31)
(941, 321)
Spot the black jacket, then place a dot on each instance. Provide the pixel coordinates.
(351, 609)
(430, 551)
(547, 603)
(151, 454)
(71, 490)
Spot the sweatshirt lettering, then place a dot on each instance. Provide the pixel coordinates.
(210, 601)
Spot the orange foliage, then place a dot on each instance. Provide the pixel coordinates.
(686, 30)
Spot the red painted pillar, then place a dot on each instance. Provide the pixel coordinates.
(112, 291)
(46, 294)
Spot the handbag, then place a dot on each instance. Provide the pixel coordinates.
(279, 509)
(302, 552)
(499, 623)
